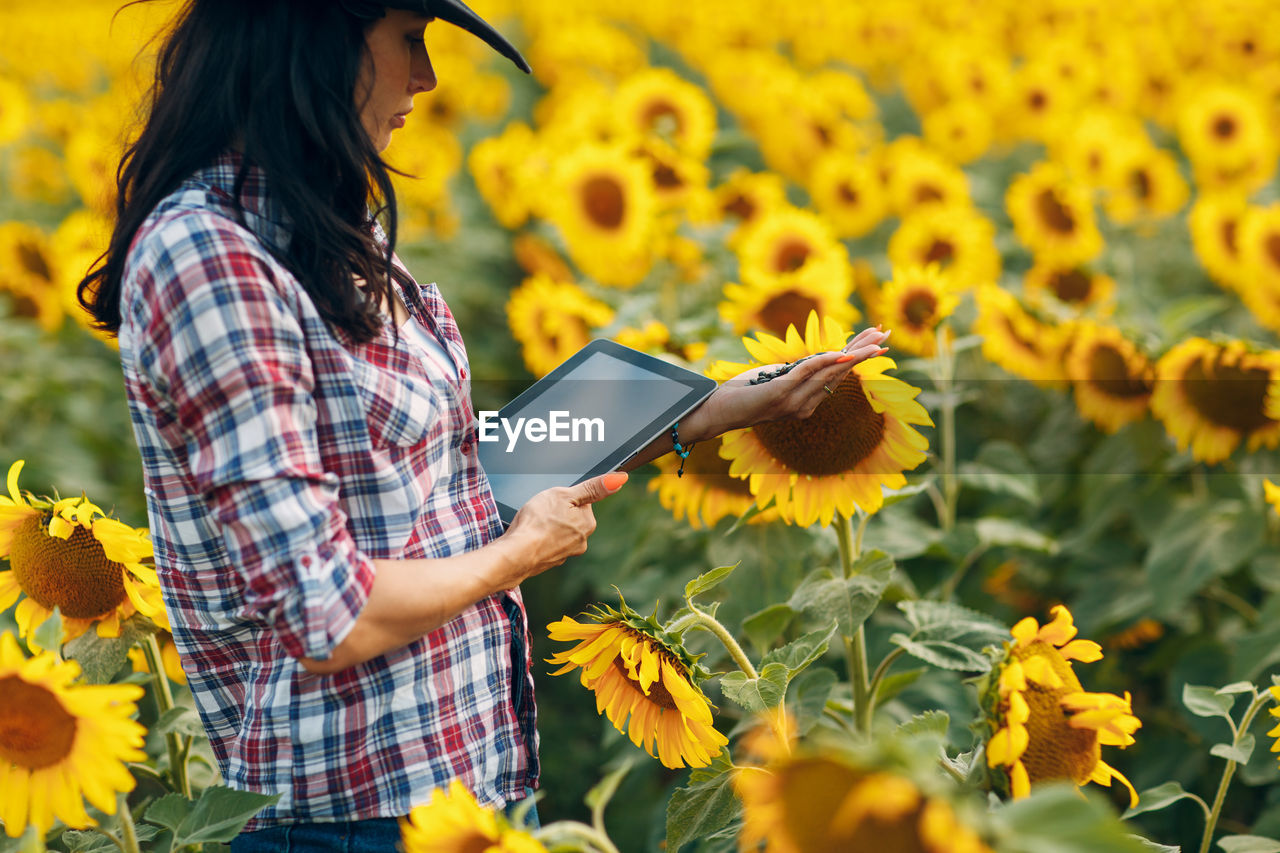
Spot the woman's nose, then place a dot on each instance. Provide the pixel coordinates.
(422, 76)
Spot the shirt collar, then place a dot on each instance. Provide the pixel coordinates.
(263, 213)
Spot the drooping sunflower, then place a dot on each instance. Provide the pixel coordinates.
(706, 492)
(1215, 220)
(772, 306)
(69, 554)
(959, 240)
(452, 821)
(913, 303)
(552, 320)
(1113, 380)
(816, 804)
(1018, 341)
(838, 458)
(659, 102)
(1213, 397)
(1052, 215)
(790, 246)
(638, 671)
(604, 205)
(846, 188)
(1044, 725)
(1070, 285)
(61, 742)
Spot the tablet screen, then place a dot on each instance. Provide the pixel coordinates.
(584, 418)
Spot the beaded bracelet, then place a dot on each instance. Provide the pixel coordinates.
(681, 450)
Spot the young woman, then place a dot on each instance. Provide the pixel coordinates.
(342, 591)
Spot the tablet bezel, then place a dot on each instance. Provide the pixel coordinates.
(698, 387)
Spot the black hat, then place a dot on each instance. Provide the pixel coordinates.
(460, 15)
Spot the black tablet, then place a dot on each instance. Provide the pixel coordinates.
(584, 418)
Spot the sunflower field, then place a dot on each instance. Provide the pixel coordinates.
(1014, 587)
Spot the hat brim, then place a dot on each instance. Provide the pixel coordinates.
(460, 15)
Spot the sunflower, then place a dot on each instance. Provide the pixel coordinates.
(655, 337)
(913, 303)
(1271, 492)
(1211, 397)
(920, 178)
(658, 102)
(1259, 242)
(1146, 184)
(60, 742)
(1044, 725)
(961, 130)
(170, 660)
(744, 198)
(453, 822)
(1097, 138)
(536, 256)
(15, 110)
(679, 180)
(1037, 105)
(636, 670)
(839, 457)
(772, 306)
(1226, 132)
(1018, 341)
(68, 554)
(552, 320)
(816, 804)
(959, 240)
(789, 246)
(1113, 380)
(495, 164)
(29, 274)
(1070, 285)
(430, 156)
(1052, 215)
(604, 204)
(1275, 712)
(1215, 222)
(847, 191)
(706, 492)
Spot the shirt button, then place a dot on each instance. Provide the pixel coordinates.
(462, 373)
(306, 562)
(466, 447)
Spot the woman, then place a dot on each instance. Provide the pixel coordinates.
(342, 591)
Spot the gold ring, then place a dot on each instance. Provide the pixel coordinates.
(828, 390)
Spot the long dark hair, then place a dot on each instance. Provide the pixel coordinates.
(276, 79)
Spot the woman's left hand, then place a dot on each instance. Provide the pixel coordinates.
(795, 394)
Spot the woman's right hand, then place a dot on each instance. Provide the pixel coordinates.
(553, 526)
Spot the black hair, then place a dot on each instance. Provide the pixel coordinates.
(275, 79)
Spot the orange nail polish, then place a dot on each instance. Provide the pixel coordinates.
(615, 479)
(846, 357)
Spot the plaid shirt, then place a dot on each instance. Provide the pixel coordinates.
(280, 459)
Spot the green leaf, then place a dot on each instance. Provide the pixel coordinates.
(1159, 797)
(760, 693)
(1148, 844)
(893, 496)
(943, 653)
(49, 634)
(707, 805)
(1207, 702)
(988, 479)
(180, 721)
(930, 723)
(1248, 844)
(1057, 819)
(764, 627)
(812, 687)
(895, 682)
(94, 841)
(1006, 531)
(849, 601)
(1195, 544)
(706, 581)
(942, 620)
(1180, 316)
(218, 815)
(100, 658)
(1237, 687)
(1239, 752)
(801, 652)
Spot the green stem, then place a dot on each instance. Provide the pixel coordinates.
(706, 620)
(949, 586)
(855, 646)
(128, 833)
(573, 829)
(881, 671)
(944, 379)
(164, 701)
(1230, 770)
(33, 841)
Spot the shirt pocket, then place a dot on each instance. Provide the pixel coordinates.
(401, 410)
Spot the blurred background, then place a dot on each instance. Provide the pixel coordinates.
(1066, 210)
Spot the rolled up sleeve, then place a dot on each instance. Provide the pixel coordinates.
(229, 360)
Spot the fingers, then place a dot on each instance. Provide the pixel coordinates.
(866, 337)
(587, 493)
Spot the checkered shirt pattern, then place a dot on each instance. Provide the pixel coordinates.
(279, 460)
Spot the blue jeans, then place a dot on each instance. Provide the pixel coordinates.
(376, 835)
